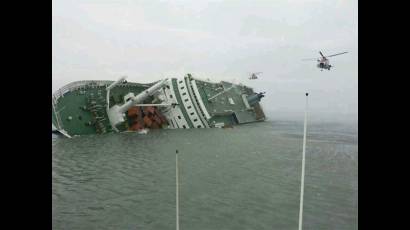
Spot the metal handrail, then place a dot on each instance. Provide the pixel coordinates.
(79, 84)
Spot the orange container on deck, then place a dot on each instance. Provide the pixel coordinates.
(147, 121)
(156, 119)
(133, 111)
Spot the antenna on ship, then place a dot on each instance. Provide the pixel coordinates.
(303, 167)
(177, 189)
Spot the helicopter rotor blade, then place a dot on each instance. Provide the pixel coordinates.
(337, 54)
(321, 54)
(309, 59)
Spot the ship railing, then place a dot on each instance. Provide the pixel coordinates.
(75, 86)
(81, 84)
(68, 88)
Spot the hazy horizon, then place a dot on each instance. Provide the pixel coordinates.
(219, 40)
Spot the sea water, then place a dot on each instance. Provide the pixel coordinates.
(246, 177)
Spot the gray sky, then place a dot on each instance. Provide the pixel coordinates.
(220, 40)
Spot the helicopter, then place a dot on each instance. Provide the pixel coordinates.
(254, 76)
(323, 62)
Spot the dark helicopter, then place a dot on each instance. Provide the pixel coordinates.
(323, 62)
(254, 76)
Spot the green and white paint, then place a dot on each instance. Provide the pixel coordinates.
(98, 107)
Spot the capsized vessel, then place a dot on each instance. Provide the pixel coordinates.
(97, 107)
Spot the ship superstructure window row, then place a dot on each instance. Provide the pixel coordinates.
(173, 114)
(188, 104)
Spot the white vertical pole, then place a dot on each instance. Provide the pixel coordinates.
(177, 189)
(303, 167)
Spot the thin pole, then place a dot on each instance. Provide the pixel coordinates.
(177, 189)
(303, 167)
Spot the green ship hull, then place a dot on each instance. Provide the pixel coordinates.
(98, 107)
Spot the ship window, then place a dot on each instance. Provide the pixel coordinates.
(192, 113)
(184, 126)
(179, 117)
(168, 87)
(170, 96)
(195, 119)
(186, 99)
(184, 94)
(180, 81)
(189, 107)
(199, 126)
(182, 87)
